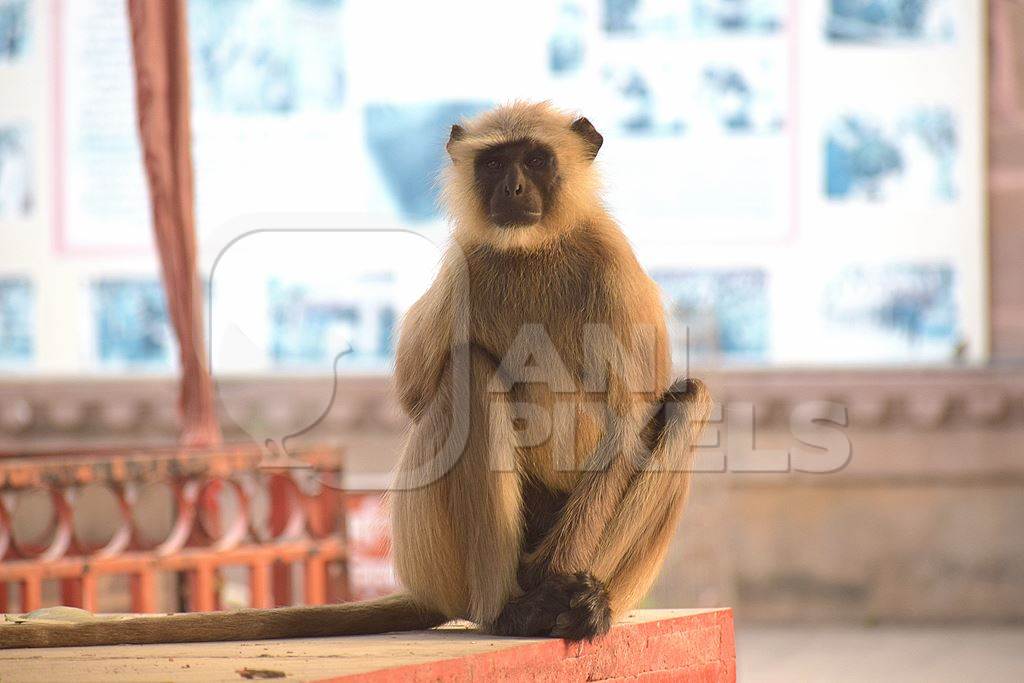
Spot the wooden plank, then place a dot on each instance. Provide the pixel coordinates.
(676, 645)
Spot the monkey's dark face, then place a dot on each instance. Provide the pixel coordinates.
(516, 182)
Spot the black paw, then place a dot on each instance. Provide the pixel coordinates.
(574, 607)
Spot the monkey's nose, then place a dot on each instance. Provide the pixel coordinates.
(509, 191)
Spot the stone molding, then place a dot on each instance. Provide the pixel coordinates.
(38, 413)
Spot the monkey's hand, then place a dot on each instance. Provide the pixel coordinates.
(418, 377)
(570, 606)
(414, 395)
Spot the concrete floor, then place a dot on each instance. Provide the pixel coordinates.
(834, 653)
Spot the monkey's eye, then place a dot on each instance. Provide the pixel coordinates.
(536, 160)
(492, 164)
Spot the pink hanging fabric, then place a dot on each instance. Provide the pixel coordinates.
(159, 30)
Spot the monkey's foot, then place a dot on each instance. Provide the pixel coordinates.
(589, 614)
(685, 388)
(574, 607)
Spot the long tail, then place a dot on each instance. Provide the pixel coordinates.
(392, 613)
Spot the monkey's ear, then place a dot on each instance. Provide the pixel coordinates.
(458, 132)
(585, 129)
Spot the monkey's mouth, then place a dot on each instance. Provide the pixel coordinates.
(515, 219)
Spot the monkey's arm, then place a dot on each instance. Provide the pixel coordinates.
(424, 346)
(456, 501)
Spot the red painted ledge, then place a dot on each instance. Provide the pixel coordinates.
(649, 645)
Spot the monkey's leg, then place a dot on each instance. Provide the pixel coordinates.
(627, 565)
(634, 543)
(456, 511)
(573, 538)
(624, 450)
(580, 604)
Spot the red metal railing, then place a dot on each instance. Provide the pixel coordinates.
(278, 519)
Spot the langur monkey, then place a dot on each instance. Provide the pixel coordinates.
(540, 351)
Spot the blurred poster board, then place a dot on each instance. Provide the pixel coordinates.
(805, 180)
(102, 202)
